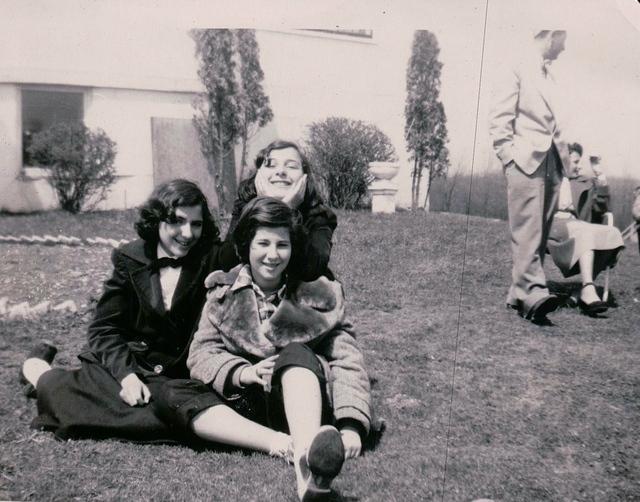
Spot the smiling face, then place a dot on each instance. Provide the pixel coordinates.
(280, 170)
(180, 234)
(269, 255)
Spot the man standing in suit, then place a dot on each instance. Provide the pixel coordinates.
(526, 138)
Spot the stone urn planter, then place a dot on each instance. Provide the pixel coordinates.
(383, 170)
(382, 189)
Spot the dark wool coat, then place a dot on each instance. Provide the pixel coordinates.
(590, 199)
(131, 333)
(230, 335)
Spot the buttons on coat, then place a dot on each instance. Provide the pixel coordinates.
(158, 368)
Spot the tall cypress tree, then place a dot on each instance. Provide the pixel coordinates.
(217, 110)
(426, 123)
(255, 109)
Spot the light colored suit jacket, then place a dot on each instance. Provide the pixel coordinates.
(523, 121)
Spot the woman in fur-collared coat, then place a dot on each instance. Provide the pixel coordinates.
(276, 366)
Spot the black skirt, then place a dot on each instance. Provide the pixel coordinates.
(85, 403)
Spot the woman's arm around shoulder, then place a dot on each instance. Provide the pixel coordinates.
(320, 222)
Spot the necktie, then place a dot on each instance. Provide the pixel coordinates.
(545, 70)
(167, 262)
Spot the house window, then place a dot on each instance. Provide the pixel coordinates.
(41, 109)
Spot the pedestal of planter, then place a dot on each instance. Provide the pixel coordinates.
(382, 189)
(383, 196)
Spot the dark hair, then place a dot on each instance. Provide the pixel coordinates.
(247, 188)
(161, 206)
(266, 212)
(575, 147)
(545, 33)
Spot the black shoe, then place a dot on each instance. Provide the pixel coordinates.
(594, 308)
(44, 350)
(321, 463)
(514, 306)
(538, 313)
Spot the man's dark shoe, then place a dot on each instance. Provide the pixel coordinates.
(538, 313)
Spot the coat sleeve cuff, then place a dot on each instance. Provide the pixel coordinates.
(120, 373)
(351, 413)
(233, 381)
(223, 376)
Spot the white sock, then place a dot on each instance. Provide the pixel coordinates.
(282, 446)
(33, 368)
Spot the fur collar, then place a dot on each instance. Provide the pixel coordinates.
(309, 311)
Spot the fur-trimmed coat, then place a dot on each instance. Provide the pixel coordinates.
(230, 335)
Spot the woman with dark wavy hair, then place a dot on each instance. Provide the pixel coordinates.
(140, 334)
(284, 173)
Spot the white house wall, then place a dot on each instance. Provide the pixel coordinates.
(125, 115)
(310, 77)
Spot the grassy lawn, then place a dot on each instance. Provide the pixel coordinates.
(534, 413)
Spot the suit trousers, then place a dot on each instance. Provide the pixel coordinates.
(532, 200)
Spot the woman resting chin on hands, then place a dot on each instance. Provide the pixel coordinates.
(283, 172)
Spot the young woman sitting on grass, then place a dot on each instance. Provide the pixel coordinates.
(143, 322)
(274, 355)
(283, 172)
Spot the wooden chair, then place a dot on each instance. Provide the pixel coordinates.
(628, 232)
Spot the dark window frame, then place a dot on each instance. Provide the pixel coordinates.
(70, 106)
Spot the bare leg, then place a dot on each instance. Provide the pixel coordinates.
(302, 397)
(588, 294)
(302, 405)
(33, 368)
(221, 424)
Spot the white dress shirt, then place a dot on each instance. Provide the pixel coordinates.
(169, 277)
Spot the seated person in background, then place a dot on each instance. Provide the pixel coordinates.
(578, 243)
(273, 355)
